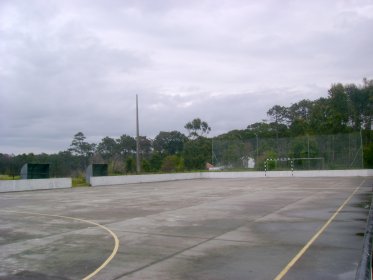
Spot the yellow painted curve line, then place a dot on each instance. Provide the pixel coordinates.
(309, 243)
(116, 240)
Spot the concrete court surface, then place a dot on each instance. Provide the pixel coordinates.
(193, 229)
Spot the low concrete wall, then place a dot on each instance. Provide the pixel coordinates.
(34, 184)
(58, 183)
(323, 173)
(335, 173)
(132, 179)
(276, 174)
(232, 175)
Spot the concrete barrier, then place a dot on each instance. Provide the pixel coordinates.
(132, 179)
(277, 174)
(58, 183)
(335, 173)
(232, 175)
(34, 184)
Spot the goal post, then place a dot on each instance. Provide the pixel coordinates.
(310, 152)
(283, 163)
(292, 164)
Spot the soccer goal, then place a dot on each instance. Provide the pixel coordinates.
(291, 164)
(278, 164)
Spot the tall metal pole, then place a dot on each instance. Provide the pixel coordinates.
(212, 151)
(138, 170)
(362, 148)
(257, 148)
(308, 151)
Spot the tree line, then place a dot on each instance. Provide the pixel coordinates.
(347, 108)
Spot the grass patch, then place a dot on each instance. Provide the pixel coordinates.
(79, 182)
(7, 177)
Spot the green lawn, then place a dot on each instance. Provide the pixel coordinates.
(7, 177)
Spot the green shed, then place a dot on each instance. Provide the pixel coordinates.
(35, 171)
(95, 170)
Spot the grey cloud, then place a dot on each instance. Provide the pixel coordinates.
(69, 66)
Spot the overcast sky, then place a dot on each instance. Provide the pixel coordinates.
(70, 66)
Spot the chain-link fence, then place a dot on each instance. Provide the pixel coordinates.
(339, 151)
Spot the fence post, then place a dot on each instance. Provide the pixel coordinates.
(292, 167)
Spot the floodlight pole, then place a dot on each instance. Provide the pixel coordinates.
(137, 137)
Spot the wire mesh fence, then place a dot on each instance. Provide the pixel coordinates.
(312, 152)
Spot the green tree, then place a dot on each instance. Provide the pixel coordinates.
(67, 164)
(80, 147)
(299, 117)
(233, 153)
(279, 116)
(262, 129)
(357, 103)
(145, 147)
(197, 153)
(197, 128)
(130, 165)
(366, 104)
(155, 161)
(169, 142)
(368, 155)
(320, 117)
(172, 163)
(126, 145)
(107, 148)
(368, 91)
(145, 166)
(338, 118)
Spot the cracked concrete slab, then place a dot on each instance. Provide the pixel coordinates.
(193, 229)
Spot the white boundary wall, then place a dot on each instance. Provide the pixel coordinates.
(61, 183)
(34, 184)
(276, 174)
(335, 173)
(132, 179)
